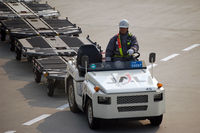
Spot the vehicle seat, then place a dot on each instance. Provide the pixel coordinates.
(93, 54)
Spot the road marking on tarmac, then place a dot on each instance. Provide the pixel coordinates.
(10, 132)
(63, 107)
(36, 119)
(169, 57)
(191, 47)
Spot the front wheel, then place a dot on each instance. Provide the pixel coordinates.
(156, 121)
(93, 122)
(71, 97)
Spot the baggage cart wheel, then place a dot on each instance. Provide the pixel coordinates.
(71, 97)
(50, 87)
(18, 54)
(29, 58)
(3, 34)
(92, 122)
(12, 48)
(12, 44)
(38, 76)
(156, 121)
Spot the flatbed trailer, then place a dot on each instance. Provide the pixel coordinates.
(43, 9)
(6, 12)
(19, 28)
(12, 9)
(40, 47)
(21, 1)
(54, 68)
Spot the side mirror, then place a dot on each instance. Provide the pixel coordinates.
(152, 57)
(84, 61)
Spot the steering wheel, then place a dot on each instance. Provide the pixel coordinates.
(136, 55)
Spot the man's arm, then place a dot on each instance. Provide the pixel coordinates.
(134, 44)
(110, 49)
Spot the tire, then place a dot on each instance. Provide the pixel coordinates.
(12, 48)
(50, 87)
(3, 35)
(92, 122)
(71, 97)
(156, 121)
(38, 76)
(18, 54)
(12, 44)
(29, 58)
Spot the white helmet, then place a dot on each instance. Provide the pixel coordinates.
(123, 23)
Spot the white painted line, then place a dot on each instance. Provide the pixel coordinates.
(36, 119)
(10, 132)
(63, 107)
(169, 57)
(191, 47)
(150, 66)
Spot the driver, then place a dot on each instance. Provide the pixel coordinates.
(122, 45)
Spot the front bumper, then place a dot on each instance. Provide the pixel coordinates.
(133, 106)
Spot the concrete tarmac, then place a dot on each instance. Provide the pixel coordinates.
(165, 27)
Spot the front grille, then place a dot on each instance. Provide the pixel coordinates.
(132, 99)
(132, 108)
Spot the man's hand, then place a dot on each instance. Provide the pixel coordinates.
(130, 51)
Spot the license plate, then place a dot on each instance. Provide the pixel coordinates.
(136, 64)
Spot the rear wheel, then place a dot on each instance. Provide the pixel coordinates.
(71, 97)
(92, 122)
(156, 121)
(50, 87)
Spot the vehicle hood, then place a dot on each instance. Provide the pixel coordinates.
(123, 81)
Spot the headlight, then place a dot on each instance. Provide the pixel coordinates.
(104, 100)
(158, 97)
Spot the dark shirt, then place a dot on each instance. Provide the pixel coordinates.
(113, 48)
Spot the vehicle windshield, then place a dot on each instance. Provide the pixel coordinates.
(117, 65)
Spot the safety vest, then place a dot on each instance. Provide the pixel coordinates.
(120, 45)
